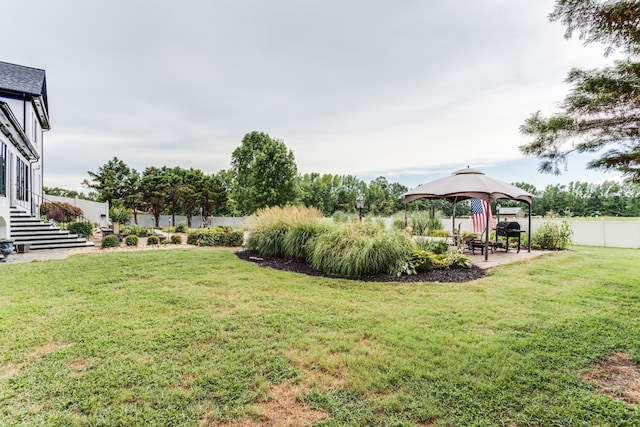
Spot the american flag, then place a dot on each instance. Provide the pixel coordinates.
(479, 209)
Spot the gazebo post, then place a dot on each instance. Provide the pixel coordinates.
(453, 218)
(486, 233)
(529, 232)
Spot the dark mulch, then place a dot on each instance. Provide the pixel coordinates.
(451, 275)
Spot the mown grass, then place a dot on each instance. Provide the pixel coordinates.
(189, 336)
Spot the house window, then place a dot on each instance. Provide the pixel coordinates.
(3, 169)
(22, 180)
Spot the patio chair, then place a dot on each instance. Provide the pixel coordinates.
(479, 243)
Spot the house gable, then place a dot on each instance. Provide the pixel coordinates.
(27, 83)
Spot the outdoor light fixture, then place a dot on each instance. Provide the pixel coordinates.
(360, 206)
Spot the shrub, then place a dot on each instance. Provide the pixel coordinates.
(398, 224)
(420, 223)
(110, 241)
(298, 242)
(131, 240)
(459, 260)
(153, 240)
(268, 227)
(138, 230)
(435, 246)
(60, 211)
(437, 233)
(441, 261)
(355, 250)
(176, 239)
(552, 236)
(422, 259)
(182, 227)
(120, 215)
(342, 216)
(84, 229)
(434, 224)
(216, 237)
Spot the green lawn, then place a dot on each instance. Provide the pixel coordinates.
(190, 337)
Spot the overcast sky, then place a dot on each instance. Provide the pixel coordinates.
(408, 89)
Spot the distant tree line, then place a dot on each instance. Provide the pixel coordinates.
(264, 174)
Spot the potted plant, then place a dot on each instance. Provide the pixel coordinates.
(6, 248)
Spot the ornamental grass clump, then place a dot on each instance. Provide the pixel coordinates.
(355, 250)
(299, 241)
(268, 228)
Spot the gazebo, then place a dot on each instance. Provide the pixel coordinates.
(467, 184)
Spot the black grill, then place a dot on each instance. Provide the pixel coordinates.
(509, 229)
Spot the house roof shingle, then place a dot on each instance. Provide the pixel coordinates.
(21, 79)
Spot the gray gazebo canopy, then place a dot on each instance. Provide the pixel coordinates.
(467, 184)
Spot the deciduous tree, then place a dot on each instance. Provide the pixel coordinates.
(265, 173)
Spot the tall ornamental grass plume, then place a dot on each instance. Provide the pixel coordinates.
(420, 223)
(300, 240)
(268, 228)
(355, 250)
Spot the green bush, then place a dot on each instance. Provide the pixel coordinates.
(435, 246)
(422, 259)
(355, 250)
(298, 242)
(437, 233)
(153, 240)
(84, 229)
(268, 228)
(120, 215)
(131, 240)
(110, 241)
(420, 223)
(398, 224)
(138, 230)
(552, 236)
(216, 237)
(459, 260)
(182, 227)
(268, 241)
(176, 239)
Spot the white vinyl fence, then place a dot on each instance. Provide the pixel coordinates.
(588, 232)
(196, 221)
(94, 212)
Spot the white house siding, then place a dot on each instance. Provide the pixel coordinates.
(26, 117)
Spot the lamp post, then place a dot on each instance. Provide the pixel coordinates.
(360, 206)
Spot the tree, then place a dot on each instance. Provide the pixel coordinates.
(265, 173)
(110, 181)
(63, 192)
(134, 199)
(602, 109)
(176, 187)
(214, 194)
(194, 182)
(154, 187)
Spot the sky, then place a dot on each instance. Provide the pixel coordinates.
(411, 90)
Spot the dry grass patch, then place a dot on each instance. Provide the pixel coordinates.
(12, 369)
(281, 408)
(618, 377)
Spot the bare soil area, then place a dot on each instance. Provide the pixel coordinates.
(618, 376)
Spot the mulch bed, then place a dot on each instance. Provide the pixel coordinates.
(449, 276)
